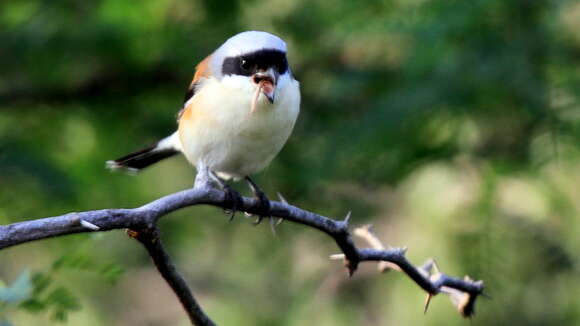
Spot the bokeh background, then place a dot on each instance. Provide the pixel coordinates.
(452, 126)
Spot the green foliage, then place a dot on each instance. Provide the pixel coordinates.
(13, 295)
(18, 291)
(81, 260)
(43, 292)
(56, 300)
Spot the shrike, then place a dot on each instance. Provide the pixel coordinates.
(238, 113)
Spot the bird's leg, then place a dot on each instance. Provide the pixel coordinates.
(233, 199)
(204, 177)
(263, 201)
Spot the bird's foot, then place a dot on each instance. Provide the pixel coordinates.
(233, 200)
(264, 207)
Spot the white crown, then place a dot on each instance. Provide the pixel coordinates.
(250, 41)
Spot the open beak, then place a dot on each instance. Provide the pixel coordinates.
(266, 82)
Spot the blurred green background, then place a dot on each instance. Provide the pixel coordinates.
(453, 126)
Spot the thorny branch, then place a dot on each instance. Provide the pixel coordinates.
(463, 297)
(463, 292)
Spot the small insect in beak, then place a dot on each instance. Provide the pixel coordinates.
(266, 84)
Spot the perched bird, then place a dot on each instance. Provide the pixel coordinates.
(238, 113)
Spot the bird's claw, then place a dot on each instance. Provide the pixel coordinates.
(234, 200)
(263, 210)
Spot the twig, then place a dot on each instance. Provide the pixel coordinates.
(151, 241)
(145, 217)
(462, 297)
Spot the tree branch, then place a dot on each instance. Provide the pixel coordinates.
(146, 217)
(151, 241)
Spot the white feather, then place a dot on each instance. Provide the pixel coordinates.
(224, 136)
(251, 41)
(171, 142)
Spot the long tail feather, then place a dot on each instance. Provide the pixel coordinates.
(141, 159)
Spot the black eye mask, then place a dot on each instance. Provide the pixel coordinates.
(251, 63)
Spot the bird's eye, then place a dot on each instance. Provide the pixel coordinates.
(245, 64)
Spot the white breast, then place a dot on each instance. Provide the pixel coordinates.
(222, 134)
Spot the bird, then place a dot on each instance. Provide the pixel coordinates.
(237, 114)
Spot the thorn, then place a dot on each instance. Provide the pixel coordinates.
(282, 199)
(232, 214)
(336, 257)
(280, 220)
(486, 295)
(436, 266)
(89, 225)
(427, 301)
(404, 250)
(347, 218)
(272, 225)
(350, 268)
(253, 187)
(429, 266)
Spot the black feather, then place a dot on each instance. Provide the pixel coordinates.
(143, 158)
(189, 93)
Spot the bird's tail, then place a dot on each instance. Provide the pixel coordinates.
(136, 161)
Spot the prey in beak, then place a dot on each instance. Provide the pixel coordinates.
(266, 84)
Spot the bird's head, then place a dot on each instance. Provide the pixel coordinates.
(256, 59)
